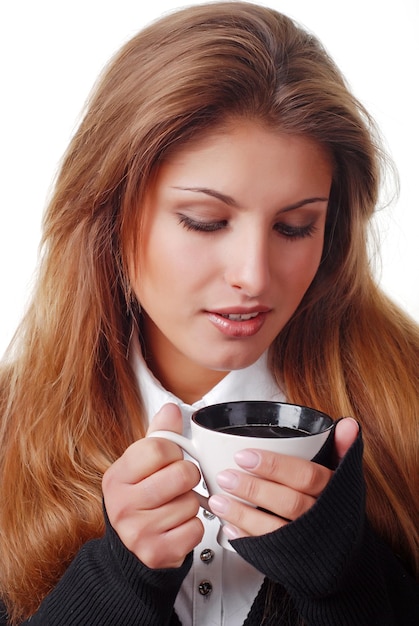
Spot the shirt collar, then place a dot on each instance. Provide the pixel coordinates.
(250, 383)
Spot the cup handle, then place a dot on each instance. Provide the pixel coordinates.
(186, 445)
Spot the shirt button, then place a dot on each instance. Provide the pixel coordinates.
(208, 514)
(205, 587)
(207, 555)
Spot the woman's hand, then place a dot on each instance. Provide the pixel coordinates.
(284, 486)
(148, 497)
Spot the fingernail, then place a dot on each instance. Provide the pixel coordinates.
(227, 479)
(247, 458)
(218, 504)
(231, 531)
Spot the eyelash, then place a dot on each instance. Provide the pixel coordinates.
(289, 232)
(201, 227)
(296, 232)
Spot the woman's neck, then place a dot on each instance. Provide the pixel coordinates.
(186, 379)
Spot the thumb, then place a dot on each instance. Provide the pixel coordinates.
(168, 418)
(346, 432)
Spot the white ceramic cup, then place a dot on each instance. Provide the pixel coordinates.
(276, 426)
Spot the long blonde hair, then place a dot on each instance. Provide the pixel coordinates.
(68, 400)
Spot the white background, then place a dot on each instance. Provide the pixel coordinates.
(51, 52)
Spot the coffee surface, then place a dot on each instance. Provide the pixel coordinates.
(262, 430)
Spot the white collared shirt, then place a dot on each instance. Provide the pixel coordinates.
(221, 586)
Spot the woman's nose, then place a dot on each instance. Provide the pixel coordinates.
(248, 265)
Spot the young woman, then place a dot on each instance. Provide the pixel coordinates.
(206, 241)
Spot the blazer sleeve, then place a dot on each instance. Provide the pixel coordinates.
(332, 563)
(106, 585)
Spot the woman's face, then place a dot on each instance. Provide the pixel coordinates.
(233, 237)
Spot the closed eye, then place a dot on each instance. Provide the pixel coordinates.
(198, 226)
(295, 232)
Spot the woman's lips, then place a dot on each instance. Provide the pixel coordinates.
(238, 324)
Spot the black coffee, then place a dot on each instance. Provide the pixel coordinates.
(262, 430)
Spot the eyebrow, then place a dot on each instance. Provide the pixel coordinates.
(211, 192)
(228, 200)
